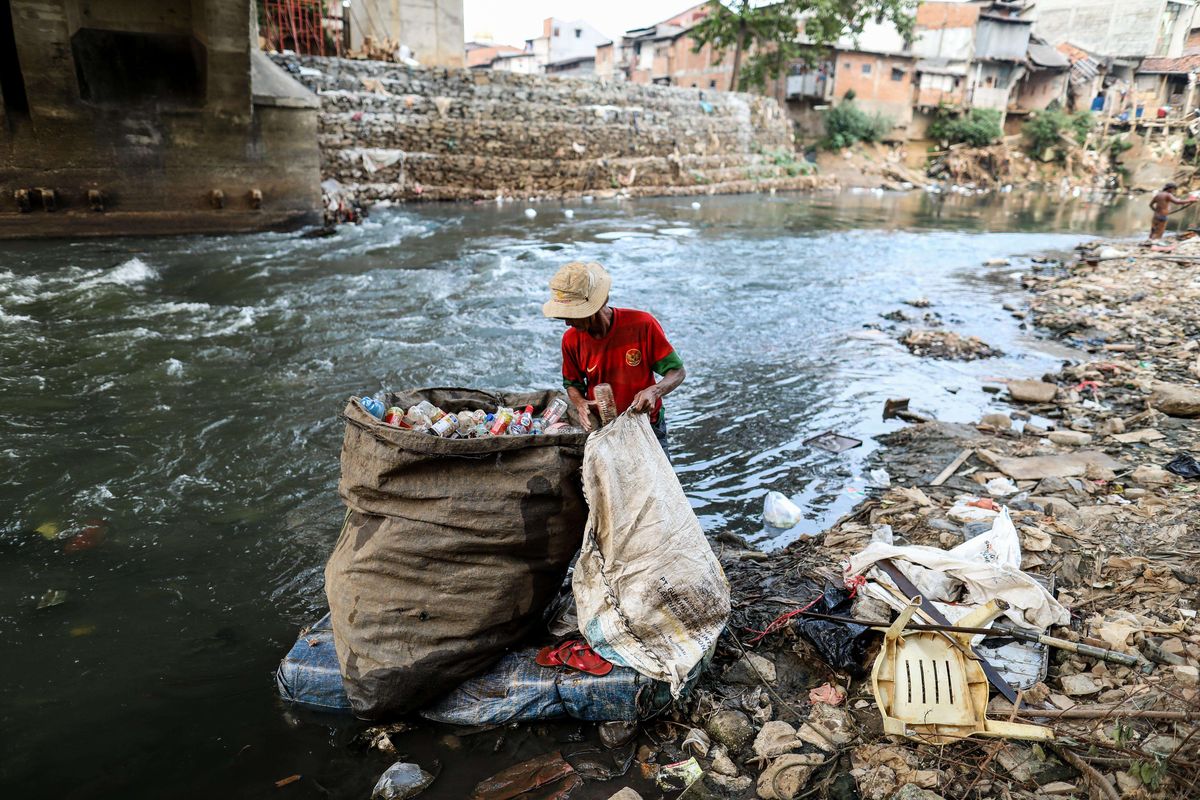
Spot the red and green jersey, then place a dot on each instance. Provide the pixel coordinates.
(633, 350)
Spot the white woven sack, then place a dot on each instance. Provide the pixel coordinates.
(650, 593)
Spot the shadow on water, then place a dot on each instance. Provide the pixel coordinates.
(170, 435)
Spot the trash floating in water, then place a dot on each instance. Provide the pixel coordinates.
(569, 214)
(695, 204)
(401, 781)
(52, 597)
(425, 417)
(48, 530)
(529, 212)
(880, 479)
(780, 512)
(833, 442)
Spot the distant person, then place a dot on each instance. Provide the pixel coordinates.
(622, 347)
(1161, 206)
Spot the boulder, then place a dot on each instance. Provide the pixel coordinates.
(1032, 391)
(1175, 399)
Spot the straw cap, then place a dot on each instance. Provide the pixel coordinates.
(577, 290)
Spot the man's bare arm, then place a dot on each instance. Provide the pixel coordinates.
(645, 400)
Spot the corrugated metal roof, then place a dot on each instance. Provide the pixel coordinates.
(941, 66)
(1171, 66)
(1043, 55)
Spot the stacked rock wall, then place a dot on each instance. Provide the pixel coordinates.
(391, 132)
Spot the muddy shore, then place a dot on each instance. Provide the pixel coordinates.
(1079, 458)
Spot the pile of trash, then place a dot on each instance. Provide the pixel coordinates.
(947, 345)
(476, 423)
(1005, 163)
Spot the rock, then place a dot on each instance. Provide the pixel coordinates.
(401, 780)
(626, 794)
(1187, 675)
(775, 739)
(1079, 685)
(1053, 485)
(1133, 494)
(1147, 475)
(733, 786)
(1066, 465)
(963, 513)
(730, 728)
(1032, 391)
(1000, 422)
(787, 775)
(747, 669)
(1059, 509)
(1071, 438)
(1099, 472)
(997, 262)
(1144, 436)
(1175, 399)
(1111, 426)
(910, 791)
(722, 764)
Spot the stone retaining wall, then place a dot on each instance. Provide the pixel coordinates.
(390, 132)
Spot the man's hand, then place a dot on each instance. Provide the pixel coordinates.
(585, 419)
(645, 400)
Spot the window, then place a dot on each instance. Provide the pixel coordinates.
(712, 84)
(556, 31)
(578, 32)
(897, 74)
(12, 82)
(847, 65)
(866, 69)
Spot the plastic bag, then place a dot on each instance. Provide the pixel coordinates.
(780, 512)
(1185, 466)
(841, 645)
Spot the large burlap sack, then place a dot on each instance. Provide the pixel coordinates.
(451, 548)
(649, 591)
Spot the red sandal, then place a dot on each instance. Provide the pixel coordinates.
(576, 654)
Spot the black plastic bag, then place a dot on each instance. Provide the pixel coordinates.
(842, 646)
(1185, 466)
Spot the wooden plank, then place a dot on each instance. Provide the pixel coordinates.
(951, 468)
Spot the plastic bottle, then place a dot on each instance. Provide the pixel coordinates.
(554, 412)
(606, 403)
(522, 423)
(501, 421)
(429, 410)
(446, 426)
(373, 407)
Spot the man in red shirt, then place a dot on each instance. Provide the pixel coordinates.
(618, 346)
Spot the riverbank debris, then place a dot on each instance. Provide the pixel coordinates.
(947, 345)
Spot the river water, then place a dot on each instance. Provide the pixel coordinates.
(170, 434)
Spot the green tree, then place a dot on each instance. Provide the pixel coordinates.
(771, 35)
